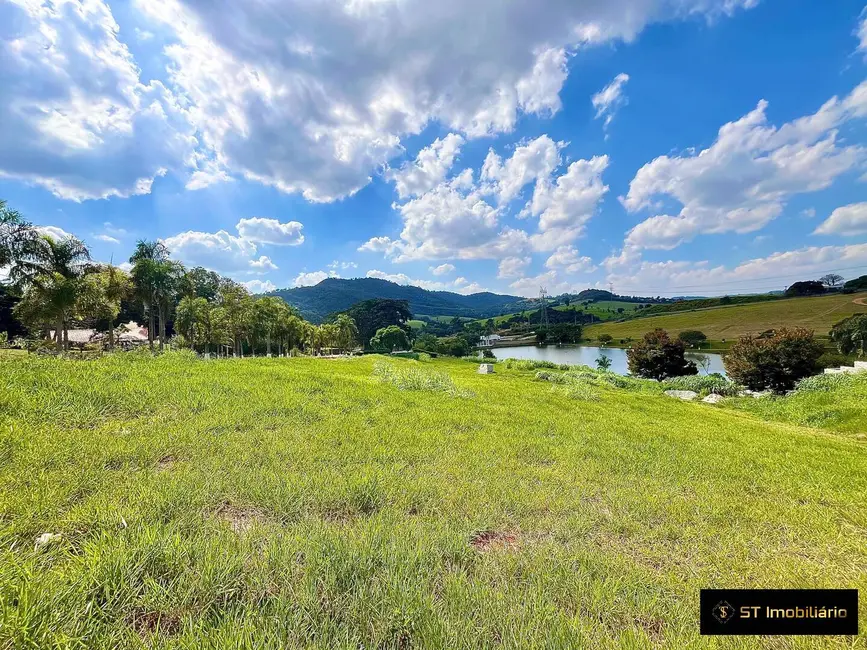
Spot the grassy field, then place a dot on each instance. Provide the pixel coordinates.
(603, 309)
(728, 323)
(371, 503)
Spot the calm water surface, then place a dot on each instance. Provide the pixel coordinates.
(586, 355)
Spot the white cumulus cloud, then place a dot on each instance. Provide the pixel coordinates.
(848, 220)
(442, 269)
(744, 179)
(75, 118)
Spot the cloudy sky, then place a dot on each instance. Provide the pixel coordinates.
(665, 147)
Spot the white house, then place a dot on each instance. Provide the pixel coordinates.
(488, 340)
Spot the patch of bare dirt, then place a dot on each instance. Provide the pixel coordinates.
(494, 540)
(149, 623)
(166, 463)
(240, 520)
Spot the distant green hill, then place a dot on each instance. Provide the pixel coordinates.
(335, 294)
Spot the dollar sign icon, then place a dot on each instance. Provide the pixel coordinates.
(723, 611)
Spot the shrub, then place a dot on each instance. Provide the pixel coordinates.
(833, 360)
(656, 356)
(714, 383)
(605, 339)
(424, 357)
(850, 335)
(692, 338)
(544, 375)
(777, 362)
(487, 354)
(824, 383)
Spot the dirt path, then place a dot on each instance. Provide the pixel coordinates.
(860, 301)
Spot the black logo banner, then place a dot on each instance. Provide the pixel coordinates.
(779, 611)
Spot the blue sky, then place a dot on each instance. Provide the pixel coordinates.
(665, 147)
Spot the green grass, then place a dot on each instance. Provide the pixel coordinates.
(309, 503)
(835, 402)
(718, 323)
(416, 324)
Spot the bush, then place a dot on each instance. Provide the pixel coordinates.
(693, 338)
(605, 339)
(656, 356)
(833, 360)
(777, 362)
(850, 335)
(824, 383)
(487, 354)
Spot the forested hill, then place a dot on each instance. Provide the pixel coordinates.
(334, 294)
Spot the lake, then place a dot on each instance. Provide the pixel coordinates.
(586, 355)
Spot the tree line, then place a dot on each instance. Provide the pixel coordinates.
(60, 286)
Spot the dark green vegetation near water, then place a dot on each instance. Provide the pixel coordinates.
(310, 503)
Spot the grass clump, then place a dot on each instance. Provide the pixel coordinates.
(414, 378)
(703, 385)
(833, 402)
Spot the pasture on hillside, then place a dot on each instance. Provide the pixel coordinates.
(818, 314)
(389, 503)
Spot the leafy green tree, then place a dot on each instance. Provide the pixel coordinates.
(388, 339)
(850, 334)
(237, 307)
(192, 320)
(148, 273)
(50, 273)
(375, 314)
(693, 338)
(605, 339)
(857, 284)
(15, 234)
(603, 362)
(198, 282)
(101, 296)
(657, 356)
(806, 288)
(454, 346)
(266, 316)
(776, 362)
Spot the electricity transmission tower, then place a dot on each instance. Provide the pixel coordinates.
(543, 298)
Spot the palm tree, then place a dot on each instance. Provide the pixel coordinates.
(347, 332)
(51, 271)
(192, 318)
(154, 276)
(103, 290)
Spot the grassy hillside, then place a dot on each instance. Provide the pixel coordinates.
(719, 323)
(315, 503)
(604, 310)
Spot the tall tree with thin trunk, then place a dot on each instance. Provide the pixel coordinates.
(146, 261)
(51, 271)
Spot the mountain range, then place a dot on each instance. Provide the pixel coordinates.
(335, 294)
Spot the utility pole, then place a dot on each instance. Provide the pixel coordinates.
(543, 298)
